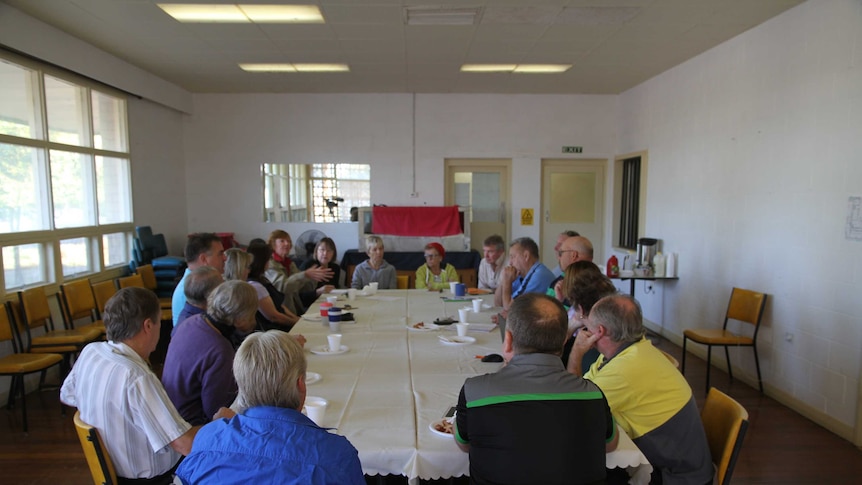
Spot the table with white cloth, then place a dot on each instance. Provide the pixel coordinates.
(394, 381)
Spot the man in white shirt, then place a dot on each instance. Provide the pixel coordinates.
(116, 392)
(494, 252)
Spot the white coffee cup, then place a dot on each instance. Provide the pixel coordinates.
(462, 328)
(335, 327)
(462, 314)
(477, 305)
(351, 294)
(315, 409)
(373, 286)
(334, 340)
(332, 299)
(452, 286)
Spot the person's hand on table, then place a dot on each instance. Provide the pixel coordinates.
(325, 289)
(318, 274)
(299, 338)
(224, 413)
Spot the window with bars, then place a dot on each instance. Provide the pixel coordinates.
(320, 192)
(629, 199)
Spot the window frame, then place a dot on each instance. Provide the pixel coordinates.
(299, 204)
(623, 194)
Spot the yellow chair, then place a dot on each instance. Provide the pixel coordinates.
(134, 280)
(148, 275)
(746, 306)
(725, 422)
(670, 358)
(19, 363)
(403, 282)
(77, 300)
(100, 463)
(103, 292)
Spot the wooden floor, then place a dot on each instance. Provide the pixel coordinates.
(781, 447)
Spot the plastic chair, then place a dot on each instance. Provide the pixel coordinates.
(100, 463)
(135, 280)
(746, 306)
(77, 300)
(102, 292)
(725, 422)
(148, 274)
(19, 364)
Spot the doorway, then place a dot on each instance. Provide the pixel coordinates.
(481, 188)
(572, 199)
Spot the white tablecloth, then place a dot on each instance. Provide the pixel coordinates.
(393, 382)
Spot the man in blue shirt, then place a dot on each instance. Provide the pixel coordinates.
(202, 249)
(270, 440)
(525, 274)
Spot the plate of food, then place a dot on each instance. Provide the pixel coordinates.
(445, 321)
(311, 317)
(422, 327)
(324, 350)
(456, 340)
(312, 377)
(443, 427)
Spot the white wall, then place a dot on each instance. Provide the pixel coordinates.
(229, 136)
(754, 148)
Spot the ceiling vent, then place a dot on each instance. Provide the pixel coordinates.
(442, 15)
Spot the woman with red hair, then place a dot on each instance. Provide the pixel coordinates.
(432, 274)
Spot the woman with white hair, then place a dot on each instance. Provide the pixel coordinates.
(197, 374)
(270, 440)
(271, 315)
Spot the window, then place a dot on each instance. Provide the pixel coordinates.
(629, 199)
(65, 177)
(322, 192)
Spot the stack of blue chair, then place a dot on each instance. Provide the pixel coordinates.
(152, 249)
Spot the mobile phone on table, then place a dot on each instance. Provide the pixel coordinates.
(450, 412)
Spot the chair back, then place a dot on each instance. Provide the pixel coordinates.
(403, 281)
(78, 300)
(746, 306)
(725, 422)
(6, 331)
(100, 463)
(34, 308)
(148, 275)
(670, 358)
(102, 292)
(134, 280)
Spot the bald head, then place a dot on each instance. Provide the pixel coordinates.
(574, 249)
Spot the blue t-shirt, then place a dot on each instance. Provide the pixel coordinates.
(270, 445)
(536, 280)
(178, 300)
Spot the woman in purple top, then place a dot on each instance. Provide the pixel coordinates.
(197, 374)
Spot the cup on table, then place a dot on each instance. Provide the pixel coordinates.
(334, 340)
(460, 289)
(462, 314)
(334, 326)
(351, 294)
(373, 285)
(324, 309)
(452, 286)
(477, 305)
(315, 409)
(332, 299)
(462, 328)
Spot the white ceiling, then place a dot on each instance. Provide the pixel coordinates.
(609, 56)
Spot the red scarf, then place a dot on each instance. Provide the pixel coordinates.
(285, 261)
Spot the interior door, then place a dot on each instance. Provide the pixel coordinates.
(572, 199)
(481, 188)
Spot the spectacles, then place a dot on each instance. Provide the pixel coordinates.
(431, 256)
(561, 251)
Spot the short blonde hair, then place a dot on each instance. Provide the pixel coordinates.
(236, 261)
(373, 242)
(267, 367)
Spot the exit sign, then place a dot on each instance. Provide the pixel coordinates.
(573, 149)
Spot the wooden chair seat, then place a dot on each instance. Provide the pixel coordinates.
(27, 363)
(78, 336)
(716, 336)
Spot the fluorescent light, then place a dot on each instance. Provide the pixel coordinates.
(299, 14)
(441, 15)
(306, 67)
(542, 68)
(243, 13)
(488, 67)
(519, 68)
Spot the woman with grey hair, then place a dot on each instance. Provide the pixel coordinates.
(237, 266)
(270, 440)
(197, 374)
(375, 268)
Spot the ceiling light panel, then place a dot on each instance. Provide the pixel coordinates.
(248, 67)
(204, 13)
(283, 14)
(488, 67)
(542, 68)
(442, 15)
(296, 67)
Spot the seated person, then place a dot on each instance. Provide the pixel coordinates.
(286, 276)
(649, 397)
(529, 422)
(493, 262)
(197, 374)
(432, 275)
(583, 285)
(199, 284)
(271, 312)
(325, 255)
(270, 440)
(115, 391)
(375, 268)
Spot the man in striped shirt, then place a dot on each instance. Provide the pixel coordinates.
(531, 422)
(115, 391)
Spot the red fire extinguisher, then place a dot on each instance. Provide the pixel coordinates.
(613, 269)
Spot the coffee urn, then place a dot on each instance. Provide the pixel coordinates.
(647, 248)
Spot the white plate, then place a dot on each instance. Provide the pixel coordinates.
(312, 317)
(439, 433)
(312, 377)
(455, 340)
(324, 350)
(426, 327)
(338, 292)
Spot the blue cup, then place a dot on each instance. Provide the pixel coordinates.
(335, 314)
(460, 289)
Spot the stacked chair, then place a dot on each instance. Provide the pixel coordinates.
(152, 249)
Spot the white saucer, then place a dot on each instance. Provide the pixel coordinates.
(324, 350)
(455, 340)
(426, 327)
(439, 433)
(312, 377)
(312, 317)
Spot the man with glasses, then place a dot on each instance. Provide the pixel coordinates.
(571, 250)
(558, 271)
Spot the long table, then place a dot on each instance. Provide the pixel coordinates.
(394, 381)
